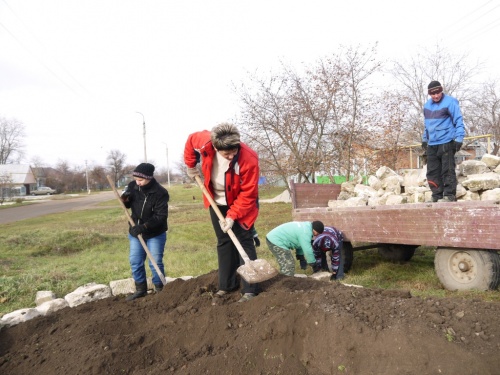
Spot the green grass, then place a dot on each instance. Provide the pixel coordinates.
(61, 252)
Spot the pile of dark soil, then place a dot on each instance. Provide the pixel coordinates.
(296, 326)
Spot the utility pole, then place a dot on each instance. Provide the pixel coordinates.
(168, 166)
(144, 136)
(87, 177)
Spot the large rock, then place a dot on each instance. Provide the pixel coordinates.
(374, 183)
(384, 172)
(87, 293)
(43, 296)
(492, 161)
(392, 184)
(472, 167)
(491, 195)
(484, 181)
(365, 191)
(49, 307)
(19, 316)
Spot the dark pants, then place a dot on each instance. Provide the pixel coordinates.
(441, 175)
(228, 256)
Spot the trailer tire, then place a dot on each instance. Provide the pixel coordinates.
(464, 269)
(397, 253)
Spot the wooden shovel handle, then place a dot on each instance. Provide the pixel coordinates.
(143, 243)
(222, 218)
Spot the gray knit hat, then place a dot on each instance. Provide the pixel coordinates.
(225, 137)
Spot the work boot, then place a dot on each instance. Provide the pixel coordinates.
(141, 289)
(446, 199)
(158, 288)
(246, 297)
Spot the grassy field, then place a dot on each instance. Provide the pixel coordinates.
(61, 252)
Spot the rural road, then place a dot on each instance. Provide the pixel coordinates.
(50, 205)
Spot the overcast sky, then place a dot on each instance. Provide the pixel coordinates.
(76, 72)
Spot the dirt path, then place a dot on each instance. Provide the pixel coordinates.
(296, 326)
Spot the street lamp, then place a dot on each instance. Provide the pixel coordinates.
(168, 167)
(144, 136)
(87, 177)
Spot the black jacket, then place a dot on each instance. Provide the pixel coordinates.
(149, 205)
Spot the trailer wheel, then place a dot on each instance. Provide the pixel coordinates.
(464, 269)
(348, 255)
(397, 253)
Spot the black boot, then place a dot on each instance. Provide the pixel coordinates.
(141, 289)
(158, 288)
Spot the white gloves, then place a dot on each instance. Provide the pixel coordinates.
(193, 172)
(228, 224)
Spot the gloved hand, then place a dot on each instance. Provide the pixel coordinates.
(457, 145)
(424, 146)
(137, 229)
(193, 172)
(302, 260)
(316, 267)
(228, 224)
(256, 241)
(125, 196)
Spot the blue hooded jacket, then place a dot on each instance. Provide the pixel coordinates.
(443, 121)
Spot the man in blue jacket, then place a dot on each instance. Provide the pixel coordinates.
(443, 136)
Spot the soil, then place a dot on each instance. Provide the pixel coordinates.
(295, 326)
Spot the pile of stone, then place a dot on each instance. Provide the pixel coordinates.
(47, 303)
(477, 180)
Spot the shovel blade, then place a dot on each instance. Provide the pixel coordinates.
(257, 271)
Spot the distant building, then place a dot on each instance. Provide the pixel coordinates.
(16, 180)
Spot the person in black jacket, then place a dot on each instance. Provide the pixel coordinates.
(148, 202)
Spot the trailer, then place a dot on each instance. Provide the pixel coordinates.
(466, 234)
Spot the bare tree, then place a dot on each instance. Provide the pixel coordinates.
(304, 123)
(11, 140)
(391, 128)
(483, 112)
(97, 178)
(116, 161)
(455, 72)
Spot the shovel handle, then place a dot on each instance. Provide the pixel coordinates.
(143, 243)
(221, 217)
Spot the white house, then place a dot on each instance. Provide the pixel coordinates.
(16, 180)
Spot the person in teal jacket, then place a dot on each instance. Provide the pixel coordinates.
(295, 235)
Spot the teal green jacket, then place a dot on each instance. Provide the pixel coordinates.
(294, 235)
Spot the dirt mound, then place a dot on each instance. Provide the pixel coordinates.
(295, 326)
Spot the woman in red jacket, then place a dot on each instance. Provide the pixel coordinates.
(231, 172)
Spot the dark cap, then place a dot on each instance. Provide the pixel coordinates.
(318, 226)
(144, 170)
(434, 88)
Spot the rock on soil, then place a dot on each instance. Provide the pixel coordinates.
(295, 326)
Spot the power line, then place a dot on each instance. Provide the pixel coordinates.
(465, 16)
(462, 36)
(39, 60)
(44, 48)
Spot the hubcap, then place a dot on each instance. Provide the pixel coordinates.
(462, 267)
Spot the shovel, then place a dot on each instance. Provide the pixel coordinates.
(253, 271)
(143, 243)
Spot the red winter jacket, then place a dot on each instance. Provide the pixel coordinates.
(241, 179)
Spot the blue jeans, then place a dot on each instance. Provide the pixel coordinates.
(156, 246)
